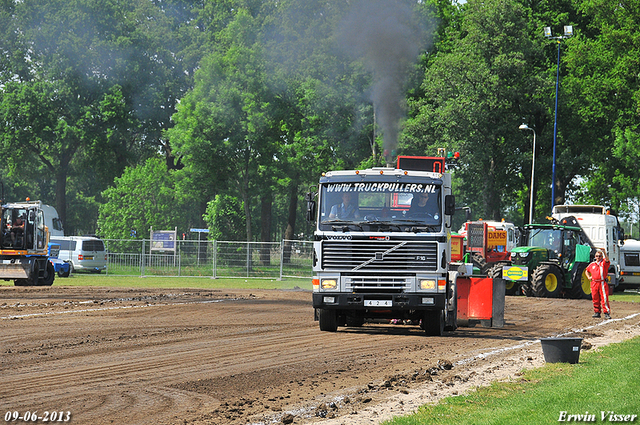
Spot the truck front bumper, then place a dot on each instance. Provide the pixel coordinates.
(378, 301)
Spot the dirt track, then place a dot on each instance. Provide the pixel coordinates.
(234, 357)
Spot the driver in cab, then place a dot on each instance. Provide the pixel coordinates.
(347, 209)
(421, 207)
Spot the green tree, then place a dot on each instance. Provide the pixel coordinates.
(474, 96)
(103, 79)
(225, 218)
(145, 196)
(604, 64)
(46, 124)
(227, 115)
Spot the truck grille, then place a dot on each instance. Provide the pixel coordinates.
(377, 283)
(400, 257)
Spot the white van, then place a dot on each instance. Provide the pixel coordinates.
(82, 252)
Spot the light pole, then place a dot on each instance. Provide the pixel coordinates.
(568, 32)
(533, 167)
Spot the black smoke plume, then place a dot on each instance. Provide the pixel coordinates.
(387, 37)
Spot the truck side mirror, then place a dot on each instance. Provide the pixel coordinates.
(449, 204)
(311, 206)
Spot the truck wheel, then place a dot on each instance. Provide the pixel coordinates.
(328, 320)
(451, 312)
(547, 281)
(581, 285)
(64, 274)
(433, 322)
(49, 275)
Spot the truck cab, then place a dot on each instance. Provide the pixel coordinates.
(601, 227)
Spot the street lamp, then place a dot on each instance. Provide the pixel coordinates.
(533, 167)
(568, 32)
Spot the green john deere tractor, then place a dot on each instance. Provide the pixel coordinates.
(552, 262)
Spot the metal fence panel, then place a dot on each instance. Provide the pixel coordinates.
(296, 258)
(217, 259)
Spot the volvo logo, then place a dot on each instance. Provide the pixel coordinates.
(339, 238)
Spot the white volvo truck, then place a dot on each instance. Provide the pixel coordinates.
(382, 246)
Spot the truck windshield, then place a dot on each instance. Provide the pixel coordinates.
(380, 206)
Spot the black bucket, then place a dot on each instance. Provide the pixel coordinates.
(561, 350)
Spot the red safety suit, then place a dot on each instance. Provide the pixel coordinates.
(599, 285)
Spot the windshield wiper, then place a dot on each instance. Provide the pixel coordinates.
(342, 225)
(381, 223)
(431, 228)
(420, 225)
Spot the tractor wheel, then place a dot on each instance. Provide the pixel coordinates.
(433, 322)
(527, 288)
(547, 281)
(511, 287)
(49, 275)
(581, 285)
(479, 262)
(328, 320)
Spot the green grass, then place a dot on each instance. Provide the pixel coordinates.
(627, 296)
(87, 279)
(604, 380)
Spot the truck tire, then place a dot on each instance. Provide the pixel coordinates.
(581, 285)
(547, 281)
(433, 322)
(49, 275)
(328, 320)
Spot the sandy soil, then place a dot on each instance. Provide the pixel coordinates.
(193, 356)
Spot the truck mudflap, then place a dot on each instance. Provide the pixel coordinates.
(379, 301)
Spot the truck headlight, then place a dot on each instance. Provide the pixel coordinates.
(427, 284)
(329, 284)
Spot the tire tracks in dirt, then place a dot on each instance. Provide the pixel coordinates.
(255, 357)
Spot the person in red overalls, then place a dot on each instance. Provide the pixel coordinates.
(597, 274)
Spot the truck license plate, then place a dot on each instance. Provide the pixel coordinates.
(378, 303)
